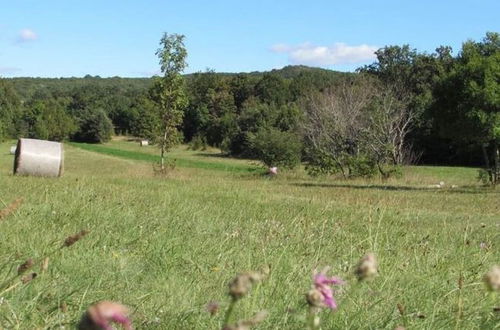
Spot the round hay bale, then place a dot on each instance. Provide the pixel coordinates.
(13, 150)
(39, 158)
(144, 143)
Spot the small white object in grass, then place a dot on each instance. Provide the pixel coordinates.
(13, 150)
(273, 170)
(441, 183)
(144, 143)
(454, 186)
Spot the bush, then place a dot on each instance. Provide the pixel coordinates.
(3, 133)
(94, 126)
(349, 166)
(198, 143)
(276, 148)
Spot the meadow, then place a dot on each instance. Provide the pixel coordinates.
(167, 246)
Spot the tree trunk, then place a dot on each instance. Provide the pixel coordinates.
(487, 161)
(163, 145)
(496, 158)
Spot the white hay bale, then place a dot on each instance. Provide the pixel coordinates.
(39, 158)
(13, 150)
(144, 143)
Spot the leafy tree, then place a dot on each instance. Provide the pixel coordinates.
(273, 89)
(211, 112)
(146, 121)
(94, 126)
(10, 108)
(169, 91)
(467, 106)
(276, 148)
(47, 119)
(241, 89)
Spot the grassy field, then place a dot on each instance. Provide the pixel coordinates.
(167, 246)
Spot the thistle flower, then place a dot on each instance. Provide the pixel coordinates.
(321, 295)
(25, 266)
(367, 267)
(401, 309)
(70, 240)
(241, 284)
(492, 279)
(28, 278)
(101, 315)
(247, 324)
(213, 307)
(315, 298)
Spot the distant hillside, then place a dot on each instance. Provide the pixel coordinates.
(26, 86)
(288, 72)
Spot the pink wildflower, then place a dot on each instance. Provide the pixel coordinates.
(323, 284)
(103, 314)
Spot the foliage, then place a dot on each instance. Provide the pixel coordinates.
(10, 108)
(48, 119)
(198, 143)
(168, 91)
(467, 100)
(94, 126)
(147, 124)
(276, 148)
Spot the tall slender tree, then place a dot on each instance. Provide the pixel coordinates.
(169, 90)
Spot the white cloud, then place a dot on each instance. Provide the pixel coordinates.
(26, 35)
(338, 53)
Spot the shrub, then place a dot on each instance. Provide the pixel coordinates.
(276, 148)
(198, 143)
(94, 126)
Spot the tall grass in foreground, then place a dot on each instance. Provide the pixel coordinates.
(166, 248)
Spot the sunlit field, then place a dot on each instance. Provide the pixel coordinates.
(167, 245)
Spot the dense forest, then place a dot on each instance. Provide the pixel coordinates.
(408, 107)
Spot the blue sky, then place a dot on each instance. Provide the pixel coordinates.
(54, 38)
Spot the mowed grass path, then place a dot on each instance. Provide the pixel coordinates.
(182, 157)
(167, 246)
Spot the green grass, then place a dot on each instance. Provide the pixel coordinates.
(167, 246)
(181, 159)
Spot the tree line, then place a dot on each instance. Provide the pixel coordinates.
(406, 107)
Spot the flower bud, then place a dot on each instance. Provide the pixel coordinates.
(241, 284)
(315, 298)
(492, 279)
(367, 267)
